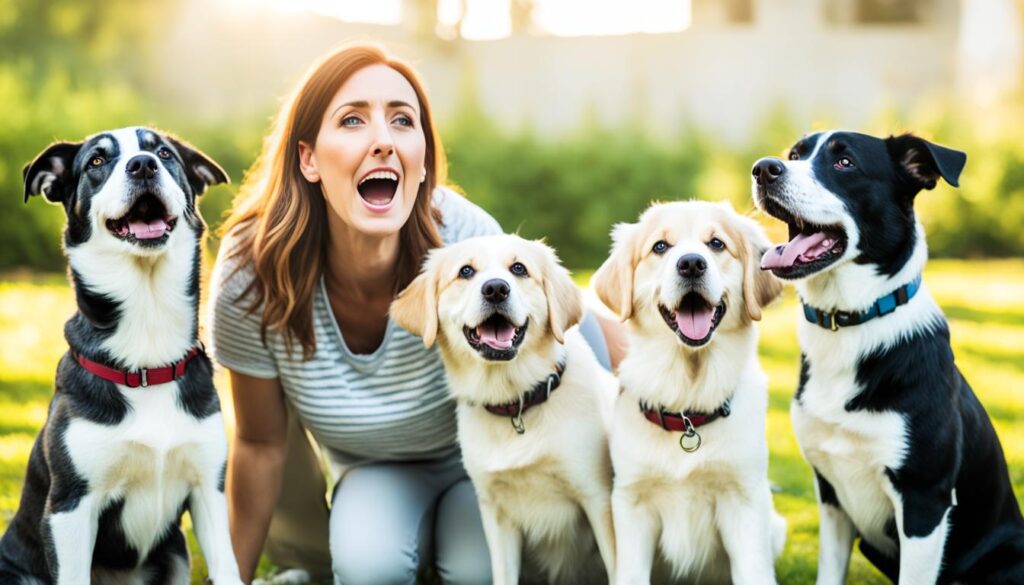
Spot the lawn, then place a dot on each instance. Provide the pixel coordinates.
(983, 299)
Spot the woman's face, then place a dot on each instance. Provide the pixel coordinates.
(370, 151)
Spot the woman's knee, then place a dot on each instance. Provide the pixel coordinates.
(355, 565)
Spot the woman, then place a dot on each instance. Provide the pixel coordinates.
(333, 220)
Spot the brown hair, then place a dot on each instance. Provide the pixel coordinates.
(279, 222)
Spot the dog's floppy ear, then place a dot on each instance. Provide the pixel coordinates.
(923, 162)
(201, 171)
(50, 174)
(613, 281)
(415, 308)
(760, 287)
(565, 302)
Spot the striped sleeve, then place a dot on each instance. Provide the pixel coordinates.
(235, 341)
(462, 218)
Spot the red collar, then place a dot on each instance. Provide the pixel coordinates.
(537, 395)
(686, 422)
(142, 377)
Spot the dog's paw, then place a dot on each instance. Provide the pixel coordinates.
(286, 577)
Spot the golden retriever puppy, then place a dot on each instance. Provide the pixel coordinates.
(688, 430)
(532, 404)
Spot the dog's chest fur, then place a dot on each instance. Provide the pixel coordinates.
(853, 448)
(150, 460)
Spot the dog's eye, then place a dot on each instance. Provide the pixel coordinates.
(716, 244)
(844, 163)
(164, 153)
(518, 269)
(466, 271)
(97, 161)
(660, 247)
(794, 155)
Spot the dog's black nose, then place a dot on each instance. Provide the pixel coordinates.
(691, 266)
(142, 167)
(767, 170)
(495, 290)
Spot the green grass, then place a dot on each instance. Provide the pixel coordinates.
(984, 300)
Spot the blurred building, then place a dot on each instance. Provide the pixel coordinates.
(838, 61)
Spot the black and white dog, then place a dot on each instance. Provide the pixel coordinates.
(904, 454)
(134, 435)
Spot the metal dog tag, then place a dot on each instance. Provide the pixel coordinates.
(690, 441)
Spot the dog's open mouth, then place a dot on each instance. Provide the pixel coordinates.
(497, 338)
(695, 320)
(147, 223)
(378, 188)
(811, 248)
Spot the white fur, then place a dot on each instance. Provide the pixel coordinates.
(545, 494)
(708, 513)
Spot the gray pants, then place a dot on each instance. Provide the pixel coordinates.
(388, 522)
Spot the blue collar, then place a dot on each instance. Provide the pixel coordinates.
(882, 306)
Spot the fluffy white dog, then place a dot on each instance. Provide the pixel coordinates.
(533, 404)
(688, 433)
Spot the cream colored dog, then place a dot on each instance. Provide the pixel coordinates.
(688, 432)
(533, 403)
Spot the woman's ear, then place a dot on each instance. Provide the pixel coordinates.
(307, 162)
(613, 281)
(415, 308)
(565, 302)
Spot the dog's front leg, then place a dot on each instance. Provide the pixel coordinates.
(745, 524)
(835, 535)
(504, 542)
(71, 523)
(209, 511)
(598, 509)
(922, 522)
(636, 535)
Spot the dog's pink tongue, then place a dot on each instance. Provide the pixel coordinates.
(496, 337)
(785, 255)
(695, 322)
(148, 231)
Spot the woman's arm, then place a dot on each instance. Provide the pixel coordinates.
(255, 465)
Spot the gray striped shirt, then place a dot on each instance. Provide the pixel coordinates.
(389, 405)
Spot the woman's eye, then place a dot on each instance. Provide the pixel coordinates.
(844, 163)
(403, 120)
(97, 161)
(518, 269)
(164, 153)
(466, 272)
(350, 121)
(660, 247)
(716, 244)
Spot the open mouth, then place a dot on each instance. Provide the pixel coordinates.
(496, 338)
(377, 189)
(811, 248)
(147, 223)
(695, 320)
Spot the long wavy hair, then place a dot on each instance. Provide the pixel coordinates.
(278, 225)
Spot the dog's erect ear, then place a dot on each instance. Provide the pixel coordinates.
(760, 287)
(613, 281)
(50, 174)
(415, 309)
(565, 302)
(201, 171)
(923, 163)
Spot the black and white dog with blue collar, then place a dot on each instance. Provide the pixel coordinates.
(134, 436)
(904, 454)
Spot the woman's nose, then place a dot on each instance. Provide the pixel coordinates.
(383, 145)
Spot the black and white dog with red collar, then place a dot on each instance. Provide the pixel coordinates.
(134, 435)
(904, 454)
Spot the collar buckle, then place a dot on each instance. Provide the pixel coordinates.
(144, 377)
(832, 322)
